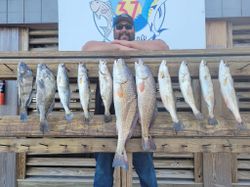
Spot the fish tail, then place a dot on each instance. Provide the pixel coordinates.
(212, 121)
(86, 118)
(120, 161)
(148, 144)
(241, 126)
(199, 116)
(23, 116)
(178, 126)
(69, 117)
(107, 118)
(44, 126)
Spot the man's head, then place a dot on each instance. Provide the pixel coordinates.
(124, 27)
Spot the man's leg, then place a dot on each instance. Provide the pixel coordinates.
(104, 170)
(144, 167)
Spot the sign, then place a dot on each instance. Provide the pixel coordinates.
(180, 23)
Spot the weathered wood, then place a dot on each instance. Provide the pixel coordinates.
(40, 161)
(11, 126)
(117, 177)
(198, 167)
(126, 179)
(7, 169)
(235, 165)
(88, 145)
(217, 169)
(21, 165)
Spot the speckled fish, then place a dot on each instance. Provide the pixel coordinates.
(64, 90)
(207, 91)
(24, 85)
(125, 103)
(228, 92)
(186, 89)
(84, 90)
(45, 94)
(146, 93)
(167, 95)
(106, 88)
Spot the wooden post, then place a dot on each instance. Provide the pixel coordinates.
(21, 165)
(127, 175)
(8, 165)
(117, 177)
(217, 169)
(198, 167)
(234, 168)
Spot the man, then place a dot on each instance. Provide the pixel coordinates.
(124, 35)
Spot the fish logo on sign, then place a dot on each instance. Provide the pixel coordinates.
(148, 15)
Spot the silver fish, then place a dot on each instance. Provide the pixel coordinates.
(106, 88)
(84, 90)
(167, 95)
(103, 16)
(25, 81)
(45, 94)
(228, 92)
(125, 103)
(64, 90)
(186, 89)
(207, 91)
(146, 93)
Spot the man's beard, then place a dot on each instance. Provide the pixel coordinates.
(125, 36)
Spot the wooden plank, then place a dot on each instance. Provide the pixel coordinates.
(198, 167)
(170, 145)
(39, 41)
(243, 175)
(11, 126)
(235, 165)
(217, 169)
(215, 40)
(244, 156)
(174, 163)
(43, 32)
(41, 161)
(21, 165)
(60, 172)
(126, 176)
(24, 39)
(241, 27)
(117, 177)
(243, 164)
(7, 169)
(168, 156)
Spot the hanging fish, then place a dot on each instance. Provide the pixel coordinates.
(228, 92)
(207, 91)
(125, 103)
(45, 94)
(167, 95)
(25, 81)
(64, 90)
(106, 88)
(84, 90)
(146, 93)
(186, 89)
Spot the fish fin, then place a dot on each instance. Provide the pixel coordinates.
(87, 118)
(148, 144)
(212, 121)
(44, 126)
(23, 116)
(69, 117)
(178, 126)
(199, 116)
(107, 118)
(120, 161)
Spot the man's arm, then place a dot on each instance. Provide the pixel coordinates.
(148, 45)
(104, 46)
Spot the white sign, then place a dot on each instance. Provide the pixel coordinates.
(180, 23)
